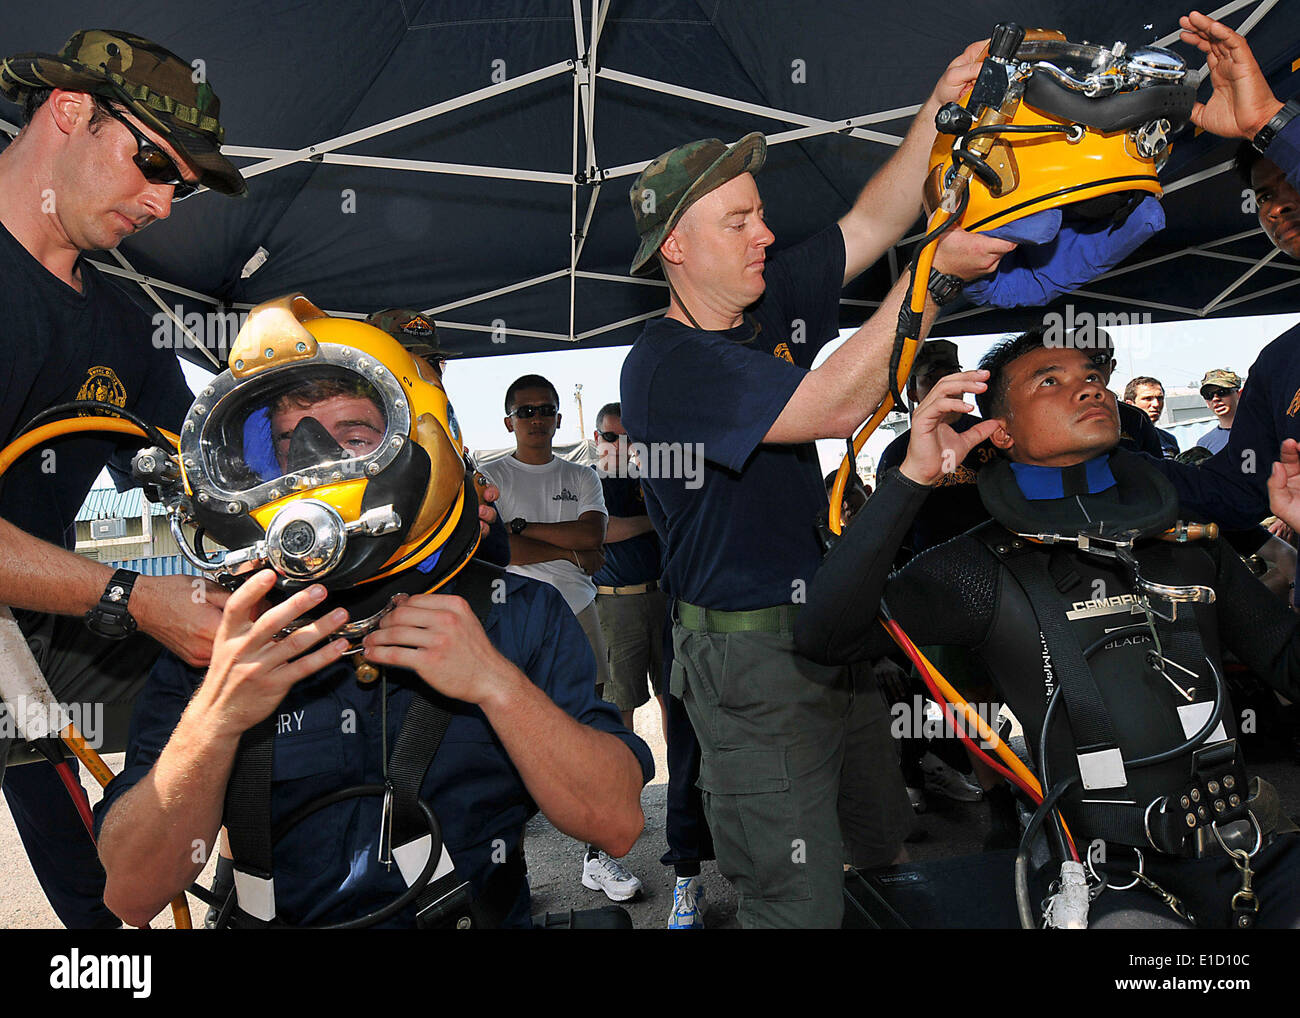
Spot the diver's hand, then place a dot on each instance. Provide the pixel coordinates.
(486, 514)
(1284, 485)
(252, 671)
(934, 448)
(180, 612)
(438, 637)
(960, 75)
(970, 255)
(1242, 103)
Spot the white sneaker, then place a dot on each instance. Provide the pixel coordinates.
(688, 905)
(609, 875)
(940, 779)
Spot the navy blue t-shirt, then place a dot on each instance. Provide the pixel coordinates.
(329, 738)
(743, 530)
(58, 345)
(638, 559)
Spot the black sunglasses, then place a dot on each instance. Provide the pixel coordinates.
(611, 437)
(154, 163)
(1217, 394)
(530, 410)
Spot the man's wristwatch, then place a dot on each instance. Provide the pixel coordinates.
(110, 618)
(943, 287)
(517, 525)
(1269, 131)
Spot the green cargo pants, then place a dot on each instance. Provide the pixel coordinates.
(771, 727)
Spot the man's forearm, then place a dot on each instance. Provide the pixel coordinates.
(526, 551)
(890, 201)
(587, 782)
(158, 836)
(576, 535)
(834, 399)
(624, 528)
(40, 576)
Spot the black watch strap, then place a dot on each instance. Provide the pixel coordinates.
(943, 287)
(110, 618)
(1269, 131)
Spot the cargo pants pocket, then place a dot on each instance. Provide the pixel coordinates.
(748, 801)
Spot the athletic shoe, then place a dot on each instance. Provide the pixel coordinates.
(688, 905)
(940, 779)
(609, 875)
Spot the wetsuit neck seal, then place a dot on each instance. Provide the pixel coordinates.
(1138, 502)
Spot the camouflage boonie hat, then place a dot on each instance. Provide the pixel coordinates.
(1220, 378)
(154, 83)
(674, 181)
(415, 331)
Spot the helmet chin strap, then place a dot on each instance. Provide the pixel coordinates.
(677, 298)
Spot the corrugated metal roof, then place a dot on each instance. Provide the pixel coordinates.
(159, 565)
(109, 504)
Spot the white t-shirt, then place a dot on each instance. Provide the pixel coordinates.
(555, 492)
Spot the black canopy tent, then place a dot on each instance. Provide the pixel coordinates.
(473, 160)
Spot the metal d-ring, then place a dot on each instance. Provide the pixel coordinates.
(1117, 887)
(1259, 836)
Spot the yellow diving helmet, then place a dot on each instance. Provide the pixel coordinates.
(1078, 125)
(331, 454)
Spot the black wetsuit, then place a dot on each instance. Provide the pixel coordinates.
(963, 593)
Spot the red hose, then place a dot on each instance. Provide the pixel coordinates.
(959, 727)
(78, 794)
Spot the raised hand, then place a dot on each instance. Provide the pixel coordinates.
(934, 448)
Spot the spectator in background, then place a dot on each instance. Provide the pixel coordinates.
(1221, 389)
(1136, 432)
(556, 518)
(629, 604)
(1148, 395)
(634, 621)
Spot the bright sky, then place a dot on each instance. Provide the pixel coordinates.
(1178, 354)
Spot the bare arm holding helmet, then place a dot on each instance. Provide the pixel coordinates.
(147, 843)
(835, 398)
(587, 782)
(879, 217)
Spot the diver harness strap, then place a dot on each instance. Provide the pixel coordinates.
(446, 899)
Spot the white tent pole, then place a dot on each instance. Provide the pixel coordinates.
(709, 98)
(611, 278)
(626, 321)
(1134, 300)
(1259, 293)
(1236, 284)
(597, 19)
(343, 140)
(470, 327)
(1219, 15)
(586, 223)
(153, 295)
(1196, 178)
(457, 169)
(573, 178)
(499, 292)
(140, 277)
(1281, 267)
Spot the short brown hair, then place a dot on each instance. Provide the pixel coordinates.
(1131, 390)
